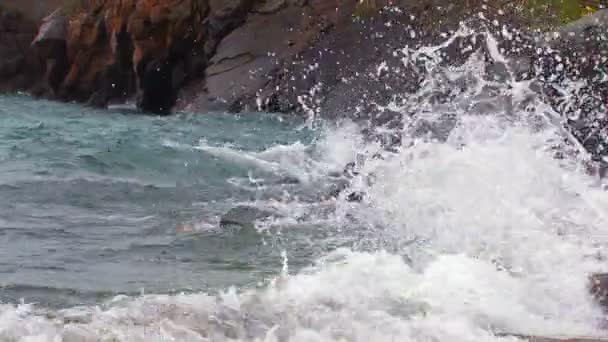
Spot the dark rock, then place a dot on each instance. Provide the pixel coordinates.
(156, 93)
(246, 59)
(53, 27)
(316, 57)
(582, 30)
(50, 45)
(19, 67)
(225, 17)
(577, 52)
(11, 66)
(243, 216)
(355, 196)
(599, 289)
(269, 6)
(531, 338)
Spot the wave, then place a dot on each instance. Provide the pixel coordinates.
(505, 238)
(345, 296)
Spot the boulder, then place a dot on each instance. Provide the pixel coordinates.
(243, 217)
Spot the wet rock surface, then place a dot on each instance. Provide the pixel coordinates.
(329, 58)
(243, 217)
(272, 55)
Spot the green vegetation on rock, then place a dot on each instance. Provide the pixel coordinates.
(551, 13)
(366, 8)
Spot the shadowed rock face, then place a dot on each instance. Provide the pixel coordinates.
(32, 9)
(168, 45)
(50, 45)
(19, 68)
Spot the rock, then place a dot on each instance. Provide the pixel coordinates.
(33, 9)
(168, 39)
(225, 16)
(578, 52)
(112, 50)
(269, 6)
(53, 27)
(332, 57)
(89, 55)
(156, 93)
(19, 67)
(243, 216)
(530, 338)
(50, 44)
(315, 57)
(599, 289)
(581, 30)
(116, 49)
(355, 196)
(245, 58)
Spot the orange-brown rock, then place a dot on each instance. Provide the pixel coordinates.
(148, 48)
(115, 49)
(168, 40)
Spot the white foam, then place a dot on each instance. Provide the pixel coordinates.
(346, 296)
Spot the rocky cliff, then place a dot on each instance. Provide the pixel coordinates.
(201, 55)
(210, 54)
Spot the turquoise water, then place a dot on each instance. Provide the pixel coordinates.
(93, 202)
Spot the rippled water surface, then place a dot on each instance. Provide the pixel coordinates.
(95, 203)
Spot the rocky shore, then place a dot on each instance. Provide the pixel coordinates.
(322, 57)
(237, 55)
